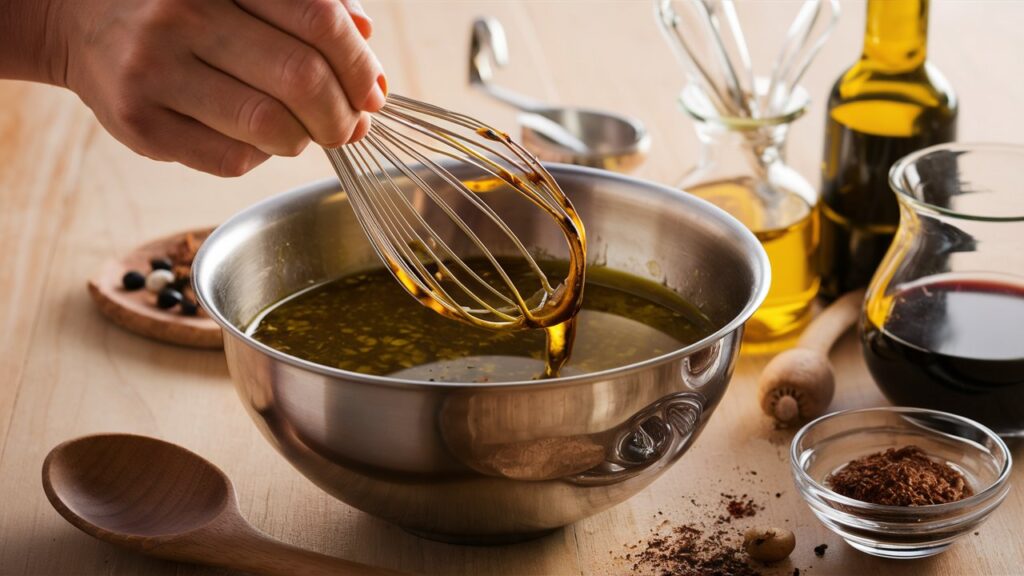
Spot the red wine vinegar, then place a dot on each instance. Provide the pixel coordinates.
(954, 345)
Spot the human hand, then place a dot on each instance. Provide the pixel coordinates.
(220, 85)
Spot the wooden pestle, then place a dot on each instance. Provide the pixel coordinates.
(798, 384)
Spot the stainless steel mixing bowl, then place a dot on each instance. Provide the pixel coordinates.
(486, 462)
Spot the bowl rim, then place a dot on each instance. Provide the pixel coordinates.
(749, 245)
(991, 491)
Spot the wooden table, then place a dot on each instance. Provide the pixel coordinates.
(71, 196)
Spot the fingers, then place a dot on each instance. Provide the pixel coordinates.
(362, 127)
(328, 27)
(218, 86)
(277, 64)
(236, 110)
(171, 136)
(359, 17)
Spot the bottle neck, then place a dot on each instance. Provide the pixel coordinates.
(896, 37)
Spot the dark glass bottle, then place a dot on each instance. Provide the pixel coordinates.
(890, 103)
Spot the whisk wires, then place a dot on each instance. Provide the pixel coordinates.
(409, 182)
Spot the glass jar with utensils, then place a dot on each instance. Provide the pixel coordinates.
(742, 169)
(742, 121)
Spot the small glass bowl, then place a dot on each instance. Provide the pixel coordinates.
(828, 443)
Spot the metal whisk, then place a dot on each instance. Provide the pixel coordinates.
(407, 183)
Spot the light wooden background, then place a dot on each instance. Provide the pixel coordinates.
(70, 196)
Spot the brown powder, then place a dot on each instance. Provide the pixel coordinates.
(689, 551)
(708, 546)
(900, 477)
(736, 507)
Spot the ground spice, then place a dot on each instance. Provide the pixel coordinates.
(689, 551)
(737, 507)
(708, 546)
(900, 477)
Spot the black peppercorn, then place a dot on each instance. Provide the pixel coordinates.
(168, 298)
(189, 307)
(161, 263)
(133, 280)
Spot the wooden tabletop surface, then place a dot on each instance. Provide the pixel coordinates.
(71, 196)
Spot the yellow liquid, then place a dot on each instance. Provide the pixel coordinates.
(788, 230)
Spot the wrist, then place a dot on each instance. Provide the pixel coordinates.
(33, 40)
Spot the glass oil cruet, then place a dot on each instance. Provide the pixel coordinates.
(742, 169)
(943, 322)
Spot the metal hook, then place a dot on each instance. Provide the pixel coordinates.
(552, 132)
(488, 51)
(487, 46)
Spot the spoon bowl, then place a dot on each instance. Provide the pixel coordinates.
(165, 489)
(159, 499)
(611, 141)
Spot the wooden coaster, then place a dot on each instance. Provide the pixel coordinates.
(136, 310)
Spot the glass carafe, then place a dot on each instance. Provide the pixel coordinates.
(742, 169)
(943, 322)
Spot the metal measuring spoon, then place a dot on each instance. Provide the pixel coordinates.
(557, 134)
(159, 499)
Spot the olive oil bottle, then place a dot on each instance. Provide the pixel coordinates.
(890, 103)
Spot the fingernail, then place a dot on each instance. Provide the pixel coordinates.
(377, 97)
(355, 7)
(361, 19)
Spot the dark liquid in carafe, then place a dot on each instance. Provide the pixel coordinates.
(859, 209)
(954, 345)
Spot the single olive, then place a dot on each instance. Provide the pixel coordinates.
(168, 298)
(133, 280)
(189, 307)
(157, 280)
(161, 264)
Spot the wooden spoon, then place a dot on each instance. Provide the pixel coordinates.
(159, 499)
(798, 384)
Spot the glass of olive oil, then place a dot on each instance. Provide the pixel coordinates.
(742, 169)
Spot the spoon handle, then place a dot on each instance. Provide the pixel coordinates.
(235, 544)
(264, 555)
(833, 322)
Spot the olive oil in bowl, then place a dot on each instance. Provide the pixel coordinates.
(366, 323)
